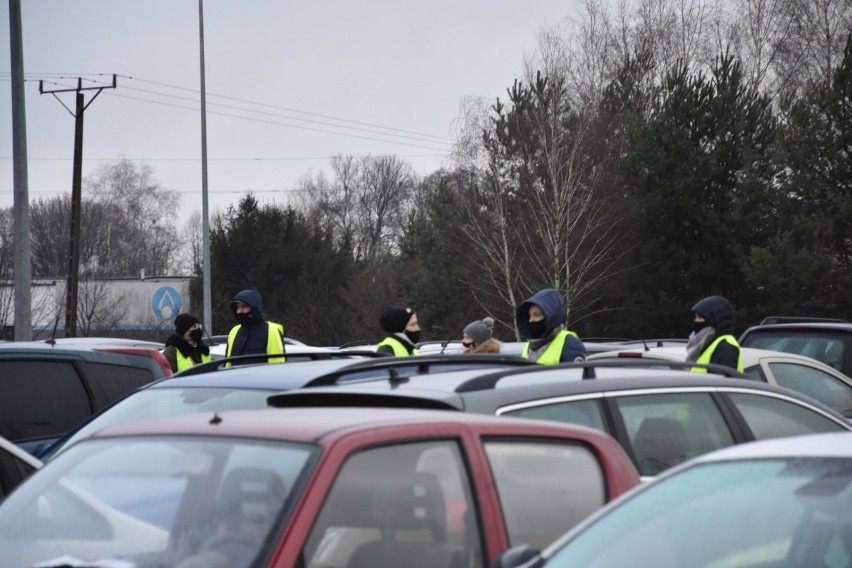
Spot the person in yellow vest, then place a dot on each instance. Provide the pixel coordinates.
(253, 334)
(540, 321)
(402, 332)
(712, 339)
(185, 348)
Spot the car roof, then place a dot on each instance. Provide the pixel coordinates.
(466, 390)
(307, 425)
(804, 325)
(751, 355)
(832, 444)
(276, 376)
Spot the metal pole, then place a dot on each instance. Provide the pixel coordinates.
(76, 205)
(205, 216)
(21, 203)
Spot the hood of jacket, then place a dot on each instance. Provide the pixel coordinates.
(551, 304)
(718, 312)
(252, 299)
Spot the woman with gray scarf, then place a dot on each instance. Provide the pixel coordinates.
(712, 339)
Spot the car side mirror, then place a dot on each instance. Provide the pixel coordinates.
(522, 556)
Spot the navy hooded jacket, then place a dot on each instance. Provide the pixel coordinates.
(719, 313)
(251, 338)
(550, 302)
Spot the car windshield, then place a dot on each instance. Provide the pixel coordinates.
(742, 514)
(153, 501)
(160, 402)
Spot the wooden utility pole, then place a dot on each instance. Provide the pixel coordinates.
(73, 277)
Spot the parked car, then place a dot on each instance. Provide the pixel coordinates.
(660, 416)
(46, 390)
(351, 487)
(780, 503)
(15, 466)
(212, 387)
(219, 346)
(829, 341)
(797, 372)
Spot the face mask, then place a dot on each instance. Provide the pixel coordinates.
(468, 345)
(536, 329)
(699, 325)
(245, 318)
(196, 335)
(413, 336)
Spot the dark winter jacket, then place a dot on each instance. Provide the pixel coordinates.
(251, 338)
(177, 343)
(719, 313)
(550, 302)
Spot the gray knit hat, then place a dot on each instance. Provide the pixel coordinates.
(480, 331)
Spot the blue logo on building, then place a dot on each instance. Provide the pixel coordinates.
(165, 303)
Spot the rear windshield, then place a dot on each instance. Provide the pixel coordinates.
(830, 348)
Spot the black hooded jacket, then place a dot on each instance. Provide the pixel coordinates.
(719, 313)
(251, 337)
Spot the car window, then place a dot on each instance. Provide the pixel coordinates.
(13, 470)
(160, 501)
(740, 514)
(396, 502)
(586, 412)
(830, 349)
(815, 383)
(669, 428)
(40, 399)
(770, 417)
(112, 382)
(545, 488)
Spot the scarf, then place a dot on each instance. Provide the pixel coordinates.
(698, 341)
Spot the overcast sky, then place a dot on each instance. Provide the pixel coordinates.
(289, 84)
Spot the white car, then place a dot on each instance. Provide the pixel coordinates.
(796, 372)
(218, 350)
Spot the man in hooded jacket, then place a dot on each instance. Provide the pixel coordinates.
(540, 321)
(253, 334)
(712, 340)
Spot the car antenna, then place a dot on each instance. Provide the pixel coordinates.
(216, 419)
(644, 344)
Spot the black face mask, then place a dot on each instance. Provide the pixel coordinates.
(699, 325)
(245, 318)
(468, 345)
(196, 335)
(536, 329)
(413, 336)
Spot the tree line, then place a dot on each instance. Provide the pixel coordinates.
(648, 157)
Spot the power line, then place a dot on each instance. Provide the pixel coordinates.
(248, 159)
(437, 138)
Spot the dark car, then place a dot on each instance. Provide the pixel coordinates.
(829, 341)
(45, 390)
(213, 387)
(349, 487)
(661, 417)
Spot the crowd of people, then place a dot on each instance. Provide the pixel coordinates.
(540, 320)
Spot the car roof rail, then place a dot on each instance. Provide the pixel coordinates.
(490, 380)
(769, 320)
(423, 364)
(301, 356)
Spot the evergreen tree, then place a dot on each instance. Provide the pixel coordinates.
(699, 171)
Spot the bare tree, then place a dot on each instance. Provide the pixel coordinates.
(366, 202)
(188, 259)
(141, 229)
(7, 256)
(98, 309)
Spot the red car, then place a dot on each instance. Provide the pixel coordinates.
(311, 488)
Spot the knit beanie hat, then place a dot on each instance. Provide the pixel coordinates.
(395, 318)
(183, 322)
(480, 331)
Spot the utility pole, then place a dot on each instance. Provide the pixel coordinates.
(73, 277)
(205, 215)
(23, 317)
